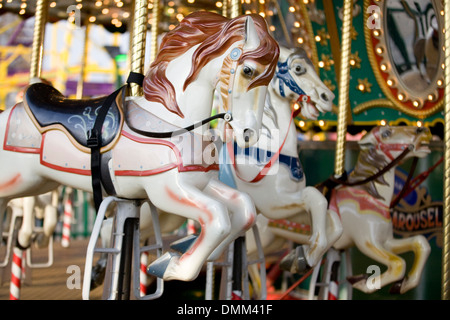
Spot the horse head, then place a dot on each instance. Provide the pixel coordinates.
(391, 141)
(296, 79)
(244, 78)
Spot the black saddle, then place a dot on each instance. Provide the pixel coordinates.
(51, 108)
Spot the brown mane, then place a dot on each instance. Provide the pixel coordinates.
(369, 163)
(215, 34)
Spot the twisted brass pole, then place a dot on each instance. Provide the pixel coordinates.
(38, 39)
(80, 84)
(235, 8)
(138, 44)
(446, 217)
(344, 84)
(155, 30)
(225, 8)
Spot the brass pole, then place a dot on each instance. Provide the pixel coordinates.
(138, 44)
(446, 217)
(80, 84)
(235, 8)
(155, 30)
(225, 8)
(344, 84)
(283, 23)
(38, 39)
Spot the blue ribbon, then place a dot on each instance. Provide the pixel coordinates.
(286, 79)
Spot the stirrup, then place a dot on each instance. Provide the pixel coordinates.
(125, 209)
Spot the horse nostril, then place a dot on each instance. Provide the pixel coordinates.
(324, 97)
(248, 133)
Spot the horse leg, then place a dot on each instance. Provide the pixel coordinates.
(319, 242)
(421, 248)
(396, 266)
(242, 208)
(179, 197)
(26, 230)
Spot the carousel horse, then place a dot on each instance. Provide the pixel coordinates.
(364, 208)
(272, 173)
(282, 192)
(153, 147)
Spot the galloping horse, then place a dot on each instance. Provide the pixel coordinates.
(46, 142)
(279, 188)
(364, 209)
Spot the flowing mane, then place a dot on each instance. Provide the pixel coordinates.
(369, 163)
(215, 34)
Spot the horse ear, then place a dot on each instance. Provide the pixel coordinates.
(367, 141)
(251, 35)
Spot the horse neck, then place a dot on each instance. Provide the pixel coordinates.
(387, 191)
(285, 126)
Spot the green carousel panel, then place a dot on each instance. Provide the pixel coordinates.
(396, 71)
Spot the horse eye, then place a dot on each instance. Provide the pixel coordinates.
(386, 134)
(299, 69)
(248, 72)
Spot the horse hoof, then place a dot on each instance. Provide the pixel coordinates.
(98, 273)
(295, 261)
(184, 244)
(396, 287)
(354, 279)
(159, 266)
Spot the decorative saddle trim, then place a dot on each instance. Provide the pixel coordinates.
(50, 110)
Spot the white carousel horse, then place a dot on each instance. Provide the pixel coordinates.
(43, 147)
(282, 192)
(364, 209)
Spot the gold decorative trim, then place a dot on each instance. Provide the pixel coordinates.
(381, 52)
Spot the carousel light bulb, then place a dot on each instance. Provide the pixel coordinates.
(262, 14)
(262, 1)
(171, 3)
(321, 64)
(219, 4)
(419, 124)
(430, 97)
(23, 5)
(79, 6)
(105, 11)
(361, 87)
(297, 24)
(22, 11)
(53, 4)
(317, 38)
(400, 97)
(383, 122)
(126, 15)
(191, 1)
(321, 123)
(300, 40)
(390, 82)
(296, 106)
(305, 1)
(92, 19)
(292, 9)
(272, 28)
(416, 103)
(301, 123)
(98, 3)
(120, 4)
(440, 82)
(170, 11)
(383, 67)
